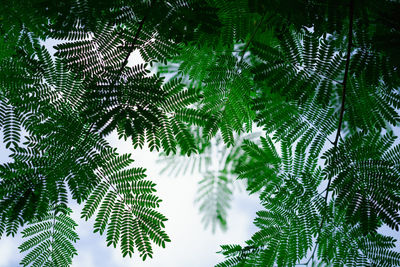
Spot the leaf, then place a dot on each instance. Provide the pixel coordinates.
(50, 240)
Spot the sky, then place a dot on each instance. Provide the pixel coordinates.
(191, 244)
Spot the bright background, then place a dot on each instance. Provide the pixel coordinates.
(191, 244)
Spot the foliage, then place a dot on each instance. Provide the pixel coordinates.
(51, 238)
(319, 77)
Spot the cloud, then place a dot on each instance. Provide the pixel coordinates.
(191, 244)
(84, 258)
(9, 253)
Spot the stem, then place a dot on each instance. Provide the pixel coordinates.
(346, 74)
(342, 107)
(124, 63)
(130, 50)
(251, 38)
(116, 191)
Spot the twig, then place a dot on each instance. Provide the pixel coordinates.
(124, 63)
(346, 74)
(342, 108)
(130, 50)
(251, 38)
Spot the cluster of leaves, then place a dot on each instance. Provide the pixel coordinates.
(319, 77)
(57, 108)
(50, 239)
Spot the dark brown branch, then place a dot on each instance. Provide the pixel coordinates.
(251, 38)
(124, 63)
(345, 78)
(342, 107)
(346, 75)
(130, 50)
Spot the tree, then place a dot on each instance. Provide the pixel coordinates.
(319, 77)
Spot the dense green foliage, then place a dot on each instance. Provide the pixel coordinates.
(320, 78)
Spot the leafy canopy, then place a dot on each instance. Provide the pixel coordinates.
(320, 79)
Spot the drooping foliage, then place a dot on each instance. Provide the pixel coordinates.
(320, 78)
(50, 240)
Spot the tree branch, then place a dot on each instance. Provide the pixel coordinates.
(342, 107)
(130, 50)
(346, 74)
(124, 63)
(251, 38)
(345, 78)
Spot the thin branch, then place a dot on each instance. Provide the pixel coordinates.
(116, 191)
(342, 108)
(251, 38)
(124, 63)
(315, 249)
(130, 50)
(346, 74)
(345, 78)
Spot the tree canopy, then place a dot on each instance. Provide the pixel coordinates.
(320, 79)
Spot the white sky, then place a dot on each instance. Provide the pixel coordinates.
(191, 245)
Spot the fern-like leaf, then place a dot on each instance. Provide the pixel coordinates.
(126, 207)
(50, 240)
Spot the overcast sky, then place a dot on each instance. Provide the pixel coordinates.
(191, 245)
